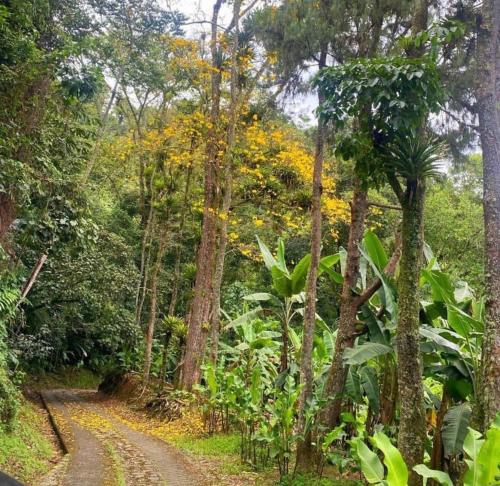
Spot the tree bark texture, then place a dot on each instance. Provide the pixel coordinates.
(200, 305)
(304, 447)
(488, 109)
(411, 435)
(228, 186)
(346, 333)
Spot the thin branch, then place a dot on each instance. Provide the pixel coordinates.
(396, 186)
(384, 206)
(459, 121)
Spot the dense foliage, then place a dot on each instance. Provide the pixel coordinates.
(146, 172)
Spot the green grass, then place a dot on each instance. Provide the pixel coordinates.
(315, 481)
(25, 452)
(119, 475)
(214, 445)
(219, 446)
(66, 377)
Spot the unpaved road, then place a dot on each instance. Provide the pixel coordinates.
(104, 451)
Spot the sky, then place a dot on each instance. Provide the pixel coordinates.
(300, 108)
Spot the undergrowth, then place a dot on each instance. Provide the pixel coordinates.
(25, 451)
(66, 377)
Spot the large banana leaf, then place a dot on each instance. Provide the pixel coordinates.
(462, 323)
(488, 458)
(439, 476)
(441, 288)
(374, 248)
(397, 472)
(389, 292)
(454, 430)
(268, 257)
(299, 274)
(369, 382)
(371, 466)
(362, 353)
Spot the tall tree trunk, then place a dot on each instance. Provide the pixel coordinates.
(153, 304)
(488, 109)
(228, 185)
(305, 451)
(346, 334)
(200, 306)
(411, 435)
(177, 265)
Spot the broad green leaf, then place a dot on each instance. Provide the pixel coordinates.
(333, 275)
(244, 318)
(328, 261)
(374, 248)
(369, 382)
(299, 274)
(269, 259)
(439, 476)
(332, 436)
(281, 282)
(259, 296)
(434, 336)
(353, 386)
(454, 430)
(488, 459)
(397, 472)
(441, 288)
(390, 298)
(462, 323)
(473, 443)
(281, 255)
(362, 353)
(371, 466)
(256, 388)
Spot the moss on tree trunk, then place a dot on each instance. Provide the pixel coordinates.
(411, 436)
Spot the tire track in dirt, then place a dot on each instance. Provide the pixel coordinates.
(103, 448)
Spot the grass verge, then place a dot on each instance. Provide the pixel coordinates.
(26, 451)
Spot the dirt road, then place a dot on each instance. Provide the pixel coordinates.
(104, 451)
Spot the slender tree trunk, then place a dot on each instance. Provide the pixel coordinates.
(32, 279)
(153, 304)
(488, 109)
(389, 395)
(102, 132)
(346, 333)
(177, 265)
(164, 356)
(200, 306)
(228, 186)
(305, 450)
(411, 435)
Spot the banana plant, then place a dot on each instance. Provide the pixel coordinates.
(483, 461)
(288, 286)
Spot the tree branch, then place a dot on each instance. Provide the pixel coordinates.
(384, 206)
